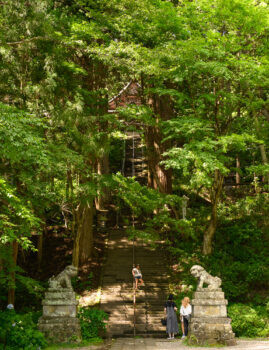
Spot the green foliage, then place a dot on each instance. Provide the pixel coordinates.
(242, 244)
(16, 223)
(138, 198)
(24, 154)
(205, 153)
(50, 133)
(245, 252)
(116, 154)
(143, 114)
(240, 254)
(25, 286)
(247, 321)
(16, 219)
(159, 211)
(19, 332)
(60, 63)
(82, 285)
(92, 322)
(142, 199)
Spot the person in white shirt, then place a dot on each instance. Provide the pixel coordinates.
(185, 315)
(137, 275)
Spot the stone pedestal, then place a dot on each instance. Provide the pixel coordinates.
(209, 323)
(59, 322)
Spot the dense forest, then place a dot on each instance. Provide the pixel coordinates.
(200, 109)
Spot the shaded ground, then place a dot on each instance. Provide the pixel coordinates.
(57, 254)
(163, 344)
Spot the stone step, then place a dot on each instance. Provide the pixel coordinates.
(150, 278)
(151, 292)
(158, 294)
(156, 334)
(139, 299)
(118, 293)
(129, 315)
(119, 329)
(126, 314)
(146, 267)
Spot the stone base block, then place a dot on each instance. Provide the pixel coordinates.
(210, 331)
(207, 309)
(59, 310)
(211, 320)
(60, 329)
(209, 294)
(60, 294)
(210, 302)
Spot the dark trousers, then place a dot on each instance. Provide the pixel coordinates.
(186, 326)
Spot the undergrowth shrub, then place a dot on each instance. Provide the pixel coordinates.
(80, 285)
(248, 321)
(243, 248)
(19, 332)
(92, 322)
(240, 250)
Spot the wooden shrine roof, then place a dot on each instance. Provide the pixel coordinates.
(130, 94)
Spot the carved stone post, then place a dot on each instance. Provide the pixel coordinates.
(102, 217)
(184, 207)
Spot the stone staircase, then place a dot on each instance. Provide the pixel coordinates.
(134, 161)
(117, 288)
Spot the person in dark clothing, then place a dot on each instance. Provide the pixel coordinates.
(170, 309)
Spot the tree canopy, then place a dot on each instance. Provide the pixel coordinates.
(202, 71)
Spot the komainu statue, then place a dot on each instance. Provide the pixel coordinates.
(59, 322)
(204, 277)
(63, 280)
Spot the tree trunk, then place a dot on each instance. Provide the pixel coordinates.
(39, 249)
(215, 196)
(210, 232)
(40, 240)
(1, 259)
(98, 72)
(264, 160)
(237, 175)
(262, 148)
(83, 241)
(103, 196)
(158, 177)
(12, 276)
(69, 184)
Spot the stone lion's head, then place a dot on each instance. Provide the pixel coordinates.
(71, 270)
(197, 270)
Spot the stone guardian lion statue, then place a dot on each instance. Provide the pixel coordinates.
(204, 277)
(63, 280)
